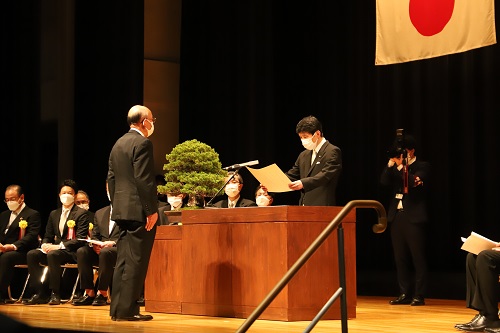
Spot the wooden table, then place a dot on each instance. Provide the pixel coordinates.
(223, 262)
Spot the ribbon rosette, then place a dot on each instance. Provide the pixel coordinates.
(91, 227)
(22, 227)
(71, 225)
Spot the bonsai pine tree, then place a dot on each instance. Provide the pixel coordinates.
(193, 168)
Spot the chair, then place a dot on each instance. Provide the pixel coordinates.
(65, 267)
(17, 300)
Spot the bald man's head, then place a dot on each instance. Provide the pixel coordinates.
(136, 114)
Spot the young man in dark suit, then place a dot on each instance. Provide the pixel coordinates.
(65, 226)
(317, 169)
(19, 228)
(132, 189)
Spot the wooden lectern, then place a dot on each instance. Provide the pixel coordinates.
(223, 262)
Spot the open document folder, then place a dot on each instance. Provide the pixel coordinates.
(272, 178)
(476, 243)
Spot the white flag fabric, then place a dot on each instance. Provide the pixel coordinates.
(410, 30)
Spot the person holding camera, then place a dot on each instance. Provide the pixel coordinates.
(407, 178)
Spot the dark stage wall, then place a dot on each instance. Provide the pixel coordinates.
(250, 70)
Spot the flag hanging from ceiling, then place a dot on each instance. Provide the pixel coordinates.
(419, 29)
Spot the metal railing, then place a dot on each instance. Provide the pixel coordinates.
(377, 228)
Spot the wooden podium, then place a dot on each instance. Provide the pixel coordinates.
(223, 262)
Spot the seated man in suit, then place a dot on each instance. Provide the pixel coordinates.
(233, 189)
(65, 226)
(19, 228)
(481, 273)
(101, 254)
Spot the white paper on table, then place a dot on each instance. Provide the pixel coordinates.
(272, 178)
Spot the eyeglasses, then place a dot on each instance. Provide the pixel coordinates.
(10, 199)
(151, 120)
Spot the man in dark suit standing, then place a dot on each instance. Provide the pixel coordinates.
(19, 228)
(132, 189)
(102, 254)
(407, 217)
(317, 169)
(65, 226)
(233, 193)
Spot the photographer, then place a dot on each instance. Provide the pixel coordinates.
(407, 216)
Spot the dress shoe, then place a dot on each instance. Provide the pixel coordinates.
(54, 299)
(100, 300)
(138, 317)
(476, 317)
(492, 330)
(402, 299)
(479, 325)
(35, 299)
(84, 300)
(417, 300)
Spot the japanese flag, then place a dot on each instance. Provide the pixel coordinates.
(419, 29)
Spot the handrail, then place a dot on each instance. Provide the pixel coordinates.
(377, 228)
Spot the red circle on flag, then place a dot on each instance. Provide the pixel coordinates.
(430, 17)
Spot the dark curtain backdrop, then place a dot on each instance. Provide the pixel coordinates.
(250, 70)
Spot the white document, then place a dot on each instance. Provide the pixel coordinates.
(271, 177)
(92, 241)
(476, 243)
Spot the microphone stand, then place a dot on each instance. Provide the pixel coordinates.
(209, 203)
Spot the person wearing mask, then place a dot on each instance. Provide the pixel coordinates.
(175, 203)
(406, 178)
(65, 226)
(82, 200)
(233, 190)
(263, 198)
(19, 228)
(317, 169)
(101, 253)
(133, 192)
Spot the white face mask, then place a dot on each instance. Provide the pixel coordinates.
(308, 143)
(174, 201)
(67, 199)
(13, 205)
(84, 206)
(232, 190)
(152, 129)
(262, 200)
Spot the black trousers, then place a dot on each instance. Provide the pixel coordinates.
(133, 252)
(7, 262)
(54, 259)
(408, 242)
(481, 273)
(86, 258)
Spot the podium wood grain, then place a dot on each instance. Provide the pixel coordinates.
(223, 262)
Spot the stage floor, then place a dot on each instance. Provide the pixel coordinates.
(374, 315)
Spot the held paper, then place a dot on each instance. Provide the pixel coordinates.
(476, 243)
(272, 177)
(92, 241)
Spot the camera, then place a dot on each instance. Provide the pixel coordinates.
(398, 147)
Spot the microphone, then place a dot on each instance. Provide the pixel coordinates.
(241, 165)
